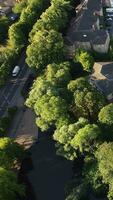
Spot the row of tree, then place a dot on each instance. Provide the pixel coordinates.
(47, 44)
(55, 17)
(18, 36)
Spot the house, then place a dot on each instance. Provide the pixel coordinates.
(86, 31)
(102, 78)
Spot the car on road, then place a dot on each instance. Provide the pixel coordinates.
(15, 71)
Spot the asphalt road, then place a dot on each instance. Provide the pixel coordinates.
(10, 91)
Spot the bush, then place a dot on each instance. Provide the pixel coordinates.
(85, 58)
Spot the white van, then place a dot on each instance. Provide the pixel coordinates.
(15, 71)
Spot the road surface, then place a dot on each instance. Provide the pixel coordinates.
(9, 93)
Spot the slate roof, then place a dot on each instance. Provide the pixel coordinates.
(81, 28)
(96, 37)
(88, 18)
(102, 77)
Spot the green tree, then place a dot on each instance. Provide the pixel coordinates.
(87, 101)
(87, 138)
(32, 12)
(17, 37)
(79, 84)
(55, 17)
(9, 187)
(39, 88)
(64, 135)
(4, 25)
(10, 151)
(50, 109)
(106, 115)
(85, 59)
(104, 157)
(46, 48)
(92, 176)
(58, 74)
(18, 7)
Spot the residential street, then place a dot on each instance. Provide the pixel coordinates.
(10, 93)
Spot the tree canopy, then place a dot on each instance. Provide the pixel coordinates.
(106, 115)
(45, 48)
(104, 157)
(87, 101)
(55, 17)
(9, 188)
(85, 59)
(64, 137)
(86, 137)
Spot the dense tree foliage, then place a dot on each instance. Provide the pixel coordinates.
(18, 7)
(55, 17)
(65, 136)
(32, 12)
(45, 48)
(18, 33)
(70, 105)
(4, 25)
(9, 188)
(92, 176)
(85, 59)
(87, 101)
(104, 157)
(58, 74)
(106, 115)
(50, 90)
(86, 138)
(10, 152)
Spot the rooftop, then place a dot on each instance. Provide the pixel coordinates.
(89, 14)
(85, 26)
(103, 77)
(97, 36)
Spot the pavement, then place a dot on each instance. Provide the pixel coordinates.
(50, 172)
(24, 125)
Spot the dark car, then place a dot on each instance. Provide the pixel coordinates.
(13, 17)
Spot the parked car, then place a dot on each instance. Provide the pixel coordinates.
(15, 71)
(109, 19)
(13, 17)
(110, 15)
